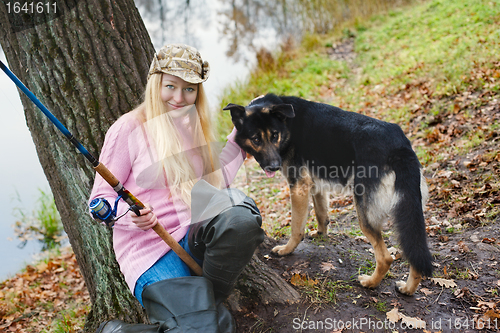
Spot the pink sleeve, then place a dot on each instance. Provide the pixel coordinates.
(231, 159)
(115, 155)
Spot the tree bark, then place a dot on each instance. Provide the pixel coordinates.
(259, 280)
(88, 65)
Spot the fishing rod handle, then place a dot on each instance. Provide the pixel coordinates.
(158, 228)
(107, 175)
(179, 250)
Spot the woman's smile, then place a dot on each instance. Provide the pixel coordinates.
(177, 93)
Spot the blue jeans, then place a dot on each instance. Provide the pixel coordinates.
(167, 267)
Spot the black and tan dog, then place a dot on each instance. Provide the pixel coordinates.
(321, 148)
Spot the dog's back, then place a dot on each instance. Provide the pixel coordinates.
(377, 157)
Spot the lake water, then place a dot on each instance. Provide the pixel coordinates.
(205, 25)
(20, 172)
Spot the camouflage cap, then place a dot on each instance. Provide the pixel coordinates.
(182, 61)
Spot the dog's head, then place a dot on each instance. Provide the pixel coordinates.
(262, 130)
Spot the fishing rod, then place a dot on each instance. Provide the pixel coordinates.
(101, 209)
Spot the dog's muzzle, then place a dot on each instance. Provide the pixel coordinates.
(271, 169)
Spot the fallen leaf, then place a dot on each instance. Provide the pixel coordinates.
(462, 247)
(412, 322)
(492, 315)
(489, 240)
(491, 305)
(485, 321)
(394, 252)
(468, 164)
(298, 280)
(443, 238)
(444, 283)
(393, 315)
(433, 230)
(459, 293)
(444, 174)
(426, 291)
(42, 267)
(302, 280)
(326, 266)
(395, 303)
(362, 239)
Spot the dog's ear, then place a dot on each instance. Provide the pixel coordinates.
(237, 114)
(283, 110)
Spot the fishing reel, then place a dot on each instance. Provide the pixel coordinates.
(101, 210)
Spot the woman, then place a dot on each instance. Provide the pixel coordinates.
(159, 151)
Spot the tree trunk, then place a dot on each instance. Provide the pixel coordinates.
(259, 280)
(88, 65)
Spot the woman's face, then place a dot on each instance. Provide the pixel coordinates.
(177, 93)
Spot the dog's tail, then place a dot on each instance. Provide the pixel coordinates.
(408, 215)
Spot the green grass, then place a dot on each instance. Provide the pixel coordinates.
(355, 232)
(303, 77)
(69, 320)
(381, 306)
(440, 43)
(43, 223)
(324, 290)
(436, 41)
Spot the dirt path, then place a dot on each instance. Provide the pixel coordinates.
(325, 272)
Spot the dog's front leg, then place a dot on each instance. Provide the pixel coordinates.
(320, 200)
(299, 193)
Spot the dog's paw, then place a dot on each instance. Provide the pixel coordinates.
(367, 281)
(281, 250)
(403, 288)
(316, 234)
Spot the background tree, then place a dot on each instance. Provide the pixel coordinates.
(88, 64)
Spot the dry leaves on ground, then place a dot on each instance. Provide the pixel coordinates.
(415, 323)
(32, 300)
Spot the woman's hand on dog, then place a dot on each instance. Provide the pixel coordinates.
(146, 220)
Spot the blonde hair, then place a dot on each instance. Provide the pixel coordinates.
(176, 169)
